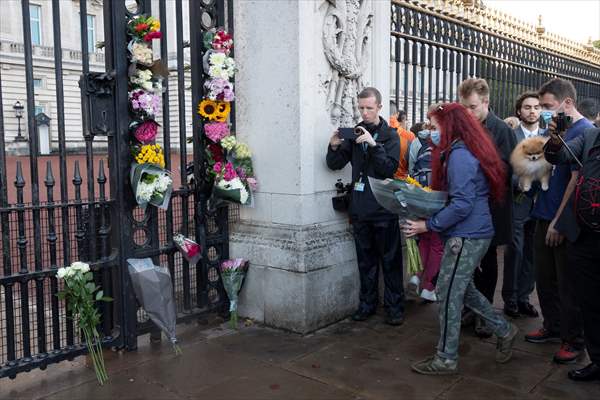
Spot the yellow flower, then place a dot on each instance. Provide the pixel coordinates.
(209, 109)
(155, 25)
(223, 110)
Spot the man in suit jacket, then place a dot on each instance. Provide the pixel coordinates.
(519, 275)
(475, 96)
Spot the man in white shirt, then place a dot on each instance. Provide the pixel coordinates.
(519, 277)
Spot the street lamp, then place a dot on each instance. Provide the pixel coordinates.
(18, 107)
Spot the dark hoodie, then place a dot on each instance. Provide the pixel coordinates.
(378, 162)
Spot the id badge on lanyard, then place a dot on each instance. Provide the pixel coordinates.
(359, 186)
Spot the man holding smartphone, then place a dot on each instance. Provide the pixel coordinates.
(373, 151)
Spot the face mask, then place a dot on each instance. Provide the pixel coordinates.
(435, 137)
(546, 115)
(424, 134)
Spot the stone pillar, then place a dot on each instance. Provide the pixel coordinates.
(303, 272)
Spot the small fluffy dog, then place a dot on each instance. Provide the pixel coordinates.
(529, 164)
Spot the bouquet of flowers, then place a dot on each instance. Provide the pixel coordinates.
(216, 131)
(145, 132)
(151, 185)
(153, 288)
(219, 65)
(144, 28)
(232, 275)
(188, 248)
(214, 110)
(148, 103)
(81, 295)
(229, 186)
(218, 40)
(149, 154)
(140, 53)
(409, 199)
(145, 79)
(219, 89)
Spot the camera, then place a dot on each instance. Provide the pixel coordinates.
(341, 202)
(563, 122)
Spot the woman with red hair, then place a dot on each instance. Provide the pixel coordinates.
(466, 164)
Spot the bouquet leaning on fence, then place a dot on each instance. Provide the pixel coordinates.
(153, 289)
(151, 185)
(81, 295)
(232, 274)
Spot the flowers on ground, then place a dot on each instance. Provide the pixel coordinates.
(232, 274)
(81, 295)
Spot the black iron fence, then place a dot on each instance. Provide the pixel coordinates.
(433, 52)
(77, 205)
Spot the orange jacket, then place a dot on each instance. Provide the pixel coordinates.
(406, 137)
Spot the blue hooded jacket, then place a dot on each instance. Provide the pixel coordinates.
(467, 214)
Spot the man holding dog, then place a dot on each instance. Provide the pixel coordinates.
(554, 277)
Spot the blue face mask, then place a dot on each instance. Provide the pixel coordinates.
(546, 115)
(424, 134)
(435, 137)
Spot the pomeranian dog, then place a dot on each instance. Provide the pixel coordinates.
(529, 164)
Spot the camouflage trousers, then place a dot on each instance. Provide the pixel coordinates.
(455, 289)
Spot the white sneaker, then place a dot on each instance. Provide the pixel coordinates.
(413, 285)
(429, 295)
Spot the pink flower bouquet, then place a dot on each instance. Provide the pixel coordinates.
(190, 250)
(146, 132)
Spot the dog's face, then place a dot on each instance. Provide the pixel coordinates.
(533, 150)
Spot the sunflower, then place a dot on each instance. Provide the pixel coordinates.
(209, 109)
(223, 110)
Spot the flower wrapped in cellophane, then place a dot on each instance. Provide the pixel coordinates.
(151, 185)
(407, 198)
(190, 250)
(153, 289)
(233, 273)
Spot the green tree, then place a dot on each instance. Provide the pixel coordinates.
(596, 44)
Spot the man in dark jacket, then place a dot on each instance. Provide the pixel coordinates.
(376, 231)
(475, 96)
(583, 252)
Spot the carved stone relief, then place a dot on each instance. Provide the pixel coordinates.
(346, 41)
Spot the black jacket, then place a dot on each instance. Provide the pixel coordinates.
(378, 162)
(581, 147)
(502, 215)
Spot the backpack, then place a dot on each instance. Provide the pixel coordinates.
(422, 166)
(587, 191)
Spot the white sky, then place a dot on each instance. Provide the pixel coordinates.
(573, 19)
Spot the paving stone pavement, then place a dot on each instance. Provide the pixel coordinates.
(348, 360)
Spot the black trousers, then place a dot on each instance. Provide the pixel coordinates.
(584, 259)
(378, 242)
(486, 276)
(555, 281)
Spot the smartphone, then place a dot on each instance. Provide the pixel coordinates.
(347, 133)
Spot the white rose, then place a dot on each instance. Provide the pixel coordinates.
(78, 265)
(61, 273)
(146, 85)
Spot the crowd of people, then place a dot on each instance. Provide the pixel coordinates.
(550, 231)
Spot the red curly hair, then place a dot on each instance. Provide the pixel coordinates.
(456, 123)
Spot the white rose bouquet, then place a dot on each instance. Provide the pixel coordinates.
(151, 185)
(81, 294)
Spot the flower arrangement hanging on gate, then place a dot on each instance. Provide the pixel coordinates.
(229, 161)
(151, 183)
